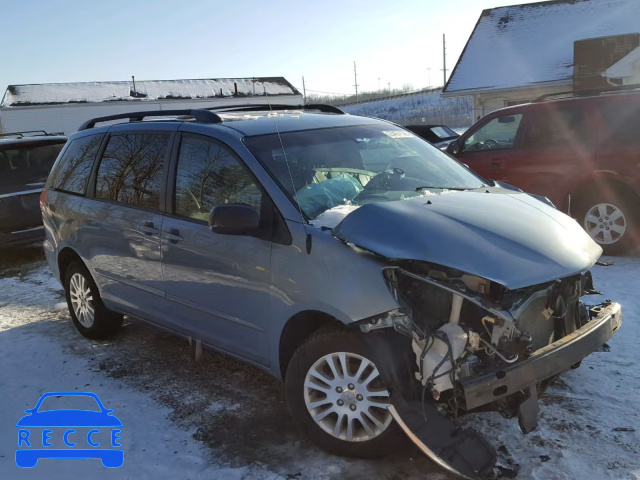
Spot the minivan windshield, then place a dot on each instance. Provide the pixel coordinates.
(324, 168)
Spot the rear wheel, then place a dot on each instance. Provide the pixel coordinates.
(335, 392)
(89, 315)
(611, 220)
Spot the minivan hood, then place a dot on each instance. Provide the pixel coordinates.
(504, 236)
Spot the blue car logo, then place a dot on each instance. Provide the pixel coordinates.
(69, 433)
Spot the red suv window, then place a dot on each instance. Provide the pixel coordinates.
(622, 120)
(566, 126)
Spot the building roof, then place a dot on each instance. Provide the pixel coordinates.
(532, 44)
(145, 90)
(625, 67)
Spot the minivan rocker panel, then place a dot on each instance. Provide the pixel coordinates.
(506, 237)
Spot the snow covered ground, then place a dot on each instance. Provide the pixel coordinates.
(222, 419)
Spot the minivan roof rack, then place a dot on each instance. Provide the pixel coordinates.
(32, 133)
(591, 92)
(200, 115)
(267, 108)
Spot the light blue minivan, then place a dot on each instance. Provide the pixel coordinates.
(384, 281)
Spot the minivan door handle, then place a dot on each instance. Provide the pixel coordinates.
(173, 235)
(148, 228)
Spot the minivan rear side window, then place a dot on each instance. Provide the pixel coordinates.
(131, 170)
(72, 172)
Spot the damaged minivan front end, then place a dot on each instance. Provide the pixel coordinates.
(432, 292)
(491, 338)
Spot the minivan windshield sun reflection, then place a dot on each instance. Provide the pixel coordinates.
(357, 165)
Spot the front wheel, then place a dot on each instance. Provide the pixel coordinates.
(610, 220)
(335, 392)
(89, 315)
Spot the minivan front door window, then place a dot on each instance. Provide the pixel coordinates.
(499, 133)
(209, 175)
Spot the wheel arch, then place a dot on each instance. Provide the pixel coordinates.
(298, 328)
(65, 257)
(608, 180)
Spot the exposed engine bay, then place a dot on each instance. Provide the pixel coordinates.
(478, 346)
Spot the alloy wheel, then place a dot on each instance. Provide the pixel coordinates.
(345, 396)
(82, 300)
(605, 223)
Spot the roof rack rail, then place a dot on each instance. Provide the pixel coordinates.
(325, 108)
(36, 133)
(591, 92)
(200, 115)
(267, 108)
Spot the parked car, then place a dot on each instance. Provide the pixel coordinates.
(25, 161)
(386, 283)
(439, 135)
(582, 153)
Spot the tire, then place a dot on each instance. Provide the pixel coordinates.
(374, 440)
(611, 220)
(89, 315)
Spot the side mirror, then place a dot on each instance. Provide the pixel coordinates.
(234, 219)
(453, 148)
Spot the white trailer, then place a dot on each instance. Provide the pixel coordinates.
(63, 107)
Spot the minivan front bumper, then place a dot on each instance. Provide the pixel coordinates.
(545, 363)
(467, 453)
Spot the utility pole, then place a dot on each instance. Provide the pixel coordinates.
(355, 76)
(444, 62)
(378, 84)
(429, 70)
(389, 85)
(304, 90)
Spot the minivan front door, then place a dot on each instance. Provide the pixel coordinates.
(218, 286)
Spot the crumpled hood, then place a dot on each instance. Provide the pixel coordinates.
(504, 236)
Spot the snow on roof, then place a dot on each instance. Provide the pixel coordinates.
(625, 66)
(526, 45)
(145, 90)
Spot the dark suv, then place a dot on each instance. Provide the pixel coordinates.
(25, 161)
(386, 283)
(582, 153)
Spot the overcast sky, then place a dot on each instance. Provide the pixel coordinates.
(396, 41)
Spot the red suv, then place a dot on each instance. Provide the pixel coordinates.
(582, 153)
